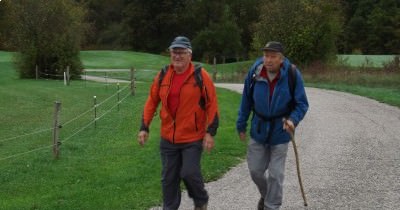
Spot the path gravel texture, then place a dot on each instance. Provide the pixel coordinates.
(349, 154)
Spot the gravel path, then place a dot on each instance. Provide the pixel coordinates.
(350, 159)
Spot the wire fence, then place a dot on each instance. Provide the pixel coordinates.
(72, 122)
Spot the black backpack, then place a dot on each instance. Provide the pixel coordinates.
(197, 77)
(292, 84)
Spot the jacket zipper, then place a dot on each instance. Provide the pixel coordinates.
(180, 90)
(195, 121)
(169, 111)
(173, 134)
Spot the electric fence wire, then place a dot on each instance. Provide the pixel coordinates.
(54, 75)
(77, 117)
(27, 134)
(93, 121)
(64, 124)
(24, 153)
(112, 96)
(67, 138)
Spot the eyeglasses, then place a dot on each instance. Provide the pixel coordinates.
(179, 53)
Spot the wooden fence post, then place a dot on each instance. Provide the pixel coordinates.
(65, 78)
(133, 81)
(56, 129)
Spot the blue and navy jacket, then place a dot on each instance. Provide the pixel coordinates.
(266, 122)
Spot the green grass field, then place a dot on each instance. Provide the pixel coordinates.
(376, 61)
(98, 168)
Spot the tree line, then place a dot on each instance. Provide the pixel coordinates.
(53, 31)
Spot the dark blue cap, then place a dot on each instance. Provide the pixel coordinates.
(273, 46)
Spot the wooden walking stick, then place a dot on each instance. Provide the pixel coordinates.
(291, 133)
(298, 167)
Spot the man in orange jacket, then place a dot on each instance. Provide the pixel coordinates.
(189, 122)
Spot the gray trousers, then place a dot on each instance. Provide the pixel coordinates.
(181, 162)
(267, 167)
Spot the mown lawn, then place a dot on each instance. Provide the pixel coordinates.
(99, 167)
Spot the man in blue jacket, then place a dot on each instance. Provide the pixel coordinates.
(277, 109)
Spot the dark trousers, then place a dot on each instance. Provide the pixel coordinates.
(181, 162)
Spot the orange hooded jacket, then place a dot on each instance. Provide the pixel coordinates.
(191, 121)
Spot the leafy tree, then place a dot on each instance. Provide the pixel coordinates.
(47, 34)
(152, 25)
(308, 29)
(245, 14)
(220, 39)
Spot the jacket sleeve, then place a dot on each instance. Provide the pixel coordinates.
(211, 104)
(245, 106)
(246, 103)
(151, 105)
(300, 99)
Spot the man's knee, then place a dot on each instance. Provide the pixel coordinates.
(190, 175)
(257, 174)
(276, 174)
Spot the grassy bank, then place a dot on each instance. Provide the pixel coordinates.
(383, 86)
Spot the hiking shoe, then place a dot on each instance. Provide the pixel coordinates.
(203, 207)
(260, 205)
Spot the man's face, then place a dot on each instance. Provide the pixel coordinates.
(272, 61)
(180, 58)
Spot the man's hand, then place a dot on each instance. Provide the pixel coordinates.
(208, 142)
(242, 136)
(142, 137)
(288, 125)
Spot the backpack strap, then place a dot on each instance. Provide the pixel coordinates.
(199, 81)
(163, 71)
(254, 75)
(292, 84)
(197, 76)
(291, 81)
